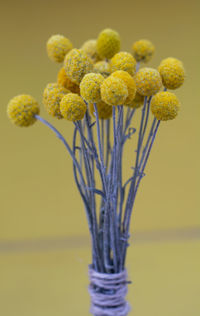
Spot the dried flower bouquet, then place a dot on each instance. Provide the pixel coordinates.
(99, 89)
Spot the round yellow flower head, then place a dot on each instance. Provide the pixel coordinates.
(49, 88)
(148, 81)
(130, 84)
(64, 81)
(172, 73)
(104, 110)
(102, 67)
(143, 50)
(52, 96)
(77, 64)
(90, 47)
(165, 105)
(123, 61)
(108, 43)
(90, 87)
(114, 91)
(22, 109)
(72, 107)
(137, 102)
(57, 47)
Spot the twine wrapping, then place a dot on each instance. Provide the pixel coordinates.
(108, 292)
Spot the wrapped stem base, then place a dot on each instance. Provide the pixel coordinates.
(108, 292)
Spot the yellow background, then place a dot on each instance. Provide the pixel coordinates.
(39, 202)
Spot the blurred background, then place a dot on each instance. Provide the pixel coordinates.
(44, 243)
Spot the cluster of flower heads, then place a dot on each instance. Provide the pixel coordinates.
(100, 73)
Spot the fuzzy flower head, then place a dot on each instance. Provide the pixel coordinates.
(123, 61)
(57, 47)
(52, 96)
(103, 68)
(165, 106)
(148, 81)
(49, 88)
(90, 87)
(130, 84)
(114, 91)
(77, 64)
(172, 73)
(72, 107)
(108, 43)
(90, 47)
(22, 109)
(104, 110)
(64, 81)
(137, 102)
(143, 50)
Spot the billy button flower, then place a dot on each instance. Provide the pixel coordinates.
(90, 47)
(57, 47)
(90, 87)
(104, 110)
(148, 81)
(77, 64)
(108, 43)
(137, 102)
(22, 109)
(64, 81)
(49, 88)
(143, 50)
(172, 73)
(114, 91)
(102, 67)
(52, 96)
(165, 105)
(130, 84)
(123, 61)
(72, 107)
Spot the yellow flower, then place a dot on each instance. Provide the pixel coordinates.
(130, 84)
(64, 81)
(102, 67)
(72, 107)
(108, 43)
(49, 88)
(148, 81)
(57, 47)
(137, 102)
(52, 96)
(104, 110)
(77, 64)
(165, 106)
(143, 50)
(172, 73)
(90, 87)
(90, 47)
(22, 109)
(114, 91)
(123, 61)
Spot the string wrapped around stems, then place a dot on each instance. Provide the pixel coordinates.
(108, 293)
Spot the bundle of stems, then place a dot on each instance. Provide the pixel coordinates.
(97, 154)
